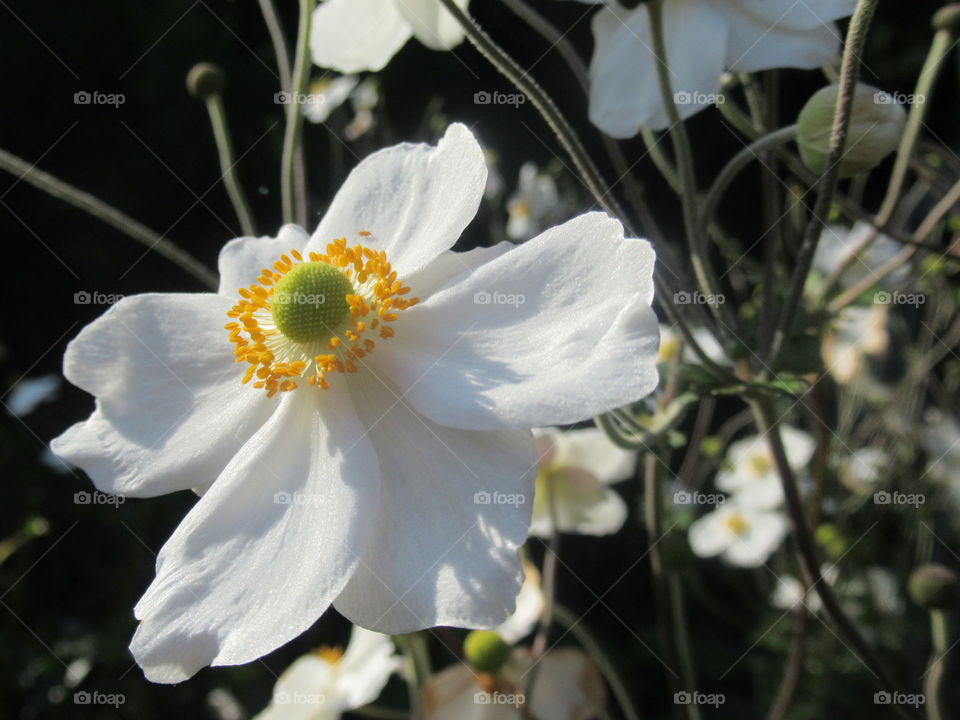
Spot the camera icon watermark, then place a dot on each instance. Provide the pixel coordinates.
(884, 497)
(685, 97)
(698, 298)
(498, 698)
(483, 97)
(896, 297)
(684, 697)
(299, 698)
(898, 98)
(299, 298)
(485, 497)
(685, 497)
(884, 697)
(85, 697)
(298, 98)
(83, 497)
(499, 298)
(295, 498)
(85, 297)
(84, 97)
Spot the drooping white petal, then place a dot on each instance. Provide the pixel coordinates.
(366, 666)
(624, 91)
(432, 24)
(415, 199)
(541, 335)
(242, 259)
(591, 449)
(755, 44)
(265, 551)
(790, 14)
(357, 35)
(531, 603)
(454, 509)
(581, 504)
(171, 410)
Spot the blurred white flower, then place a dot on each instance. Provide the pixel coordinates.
(751, 474)
(329, 681)
(863, 466)
(534, 204)
(857, 333)
(742, 535)
(317, 486)
(530, 606)
(789, 595)
(364, 100)
(839, 244)
(356, 35)
(703, 39)
(670, 340)
(568, 687)
(326, 95)
(29, 393)
(576, 469)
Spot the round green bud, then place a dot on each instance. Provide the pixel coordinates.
(947, 18)
(485, 651)
(205, 79)
(876, 125)
(935, 587)
(309, 303)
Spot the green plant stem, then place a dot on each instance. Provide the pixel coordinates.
(417, 668)
(294, 210)
(110, 215)
(849, 73)
(936, 670)
(768, 425)
(794, 667)
(228, 164)
(607, 667)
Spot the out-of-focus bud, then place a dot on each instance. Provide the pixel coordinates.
(205, 79)
(935, 587)
(485, 651)
(876, 124)
(947, 18)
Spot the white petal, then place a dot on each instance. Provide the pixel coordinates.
(592, 450)
(454, 509)
(432, 24)
(171, 410)
(755, 44)
(709, 535)
(265, 551)
(765, 493)
(530, 606)
(798, 446)
(449, 264)
(367, 664)
(452, 693)
(555, 331)
(791, 14)
(415, 199)
(624, 91)
(582, 504)
(356, 35)
(302, 692)
(766, 532)
(569, 686)
(242, 259)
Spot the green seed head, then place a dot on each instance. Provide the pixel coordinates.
(309, 303)
(934, 586)
(485, 651)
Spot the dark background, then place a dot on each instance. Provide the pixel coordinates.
(70, 594)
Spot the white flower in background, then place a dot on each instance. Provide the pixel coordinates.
(531, 603)
(789, 594)
(30, 393)
(329, 681)
(941, 440)
(364, 100)
(534, 204)
(568, 687)
(742, 535)
(670, 340)
(863, 466)
(704, 38)
(839, 244)
(326, 95)
(352, 444)
(576, 469)
(356, 35)
(749, 470)
(857, 333)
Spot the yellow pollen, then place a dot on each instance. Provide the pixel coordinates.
(331, 655)
(736, 523)
(276, 360)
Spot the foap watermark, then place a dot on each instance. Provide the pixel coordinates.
(685, 97)
(684, 497)
(884, 497)
(96, 97)
(498, 698)
(898, 98)
(498, 298)
(884, 697)
(85, 697)
(83, 497)
(496, 97)
(297, 98)
(85, 297)
(485, 497)
(899, 298)
(299, 698)
(698, 698)
(295, 498)
(698, 298)
(299, 298)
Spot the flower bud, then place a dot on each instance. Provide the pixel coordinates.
(485, 651)
(934, 586)
(205, 79)
(947, 18)
(876, 124)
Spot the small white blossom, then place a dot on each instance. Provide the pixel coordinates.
(741, 534)
(751, 474)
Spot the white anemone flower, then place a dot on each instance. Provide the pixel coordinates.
(576, 470)
(322, 685)
(533, 205)
(326, 95)
(344, 433)
(750, 473)
(568, 687)
(356, 35)
(704, 39)
(857, 334)
(531, 603)
(670, 340)
(839, 245)
(742, 535)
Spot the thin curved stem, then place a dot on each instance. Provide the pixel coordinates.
(108, 214)
(293, 210)
(228, 164)
(849, 73)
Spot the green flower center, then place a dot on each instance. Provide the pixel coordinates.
(309, 303)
